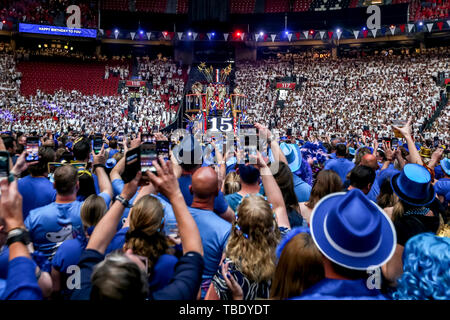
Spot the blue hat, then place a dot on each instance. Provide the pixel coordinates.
(413, 185)
(351, 151)
(231, 161)
(386, 173)
(69, 144)
(353, 231)
(445, 165)
(110, 163)
(292, 153)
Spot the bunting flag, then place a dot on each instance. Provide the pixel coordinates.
(402, 28)
(448, 22)
(305, 33)
(149, 35)
(100, 30)
(1, 25)
(356, 33)
(374, 32)
(289, 36)
(209, 35)
(392, 28)
(322, 33)
(195, 34)
(273, 36)
(365, 33)
(330, 34)
(256, 36)
(242, 36)
(225, 35)
(180, 34)
(429, 26)
(440, 24)
(265, 37)
(132, 34)
(116, 34)
(410, 27)
(338, 33)
(297, 34)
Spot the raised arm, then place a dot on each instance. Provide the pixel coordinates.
(273, 143)
(167, 183)
(273, 192)
(99, 169)
(107, 227)
(406, 133)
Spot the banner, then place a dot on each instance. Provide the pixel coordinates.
(180, 35)
(448, 22)
(330, 34)
(132, 34)
(116, 34)
(242, 36)
(322, 33)
(1, 25)
(440, 24)
(305, 33)
(429, 26)
(289, 36)
(392, 28)
(356, 33)
(195, 34)
(374, 32)
(134, 83)
(286, 85)
(58, 31)
(273, 36)
(225, 35)
(102, 32)
(149, 35)
(410, 27)
(339, 33)
(209, 35)
(256, 36)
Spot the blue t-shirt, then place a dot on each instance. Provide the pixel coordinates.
(49, 226)
(4, 262)
(442, 186)
(341, 166)
(36, 192)
(301, 188)
(220, 204)
(22, 283)
(380, 177)
(214, 232)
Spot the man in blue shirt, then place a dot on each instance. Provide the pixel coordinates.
(50, 225)
(214, 231)
(340, 165)
(249, 177)
(36, 190)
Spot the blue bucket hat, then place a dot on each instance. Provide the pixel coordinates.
(110, 163)
(292, 153)
(351, 151)
(413, 185)
(353, 231)
(445, 165)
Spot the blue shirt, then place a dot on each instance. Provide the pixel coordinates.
(301, 188)
(49, 226)
(4, 262)
(341, 166)
(380, 177)
(442, 186)
(333, 289)
(214, 232)
(36, 192)
(22, 283)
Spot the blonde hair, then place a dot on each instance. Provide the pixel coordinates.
(253, 239)
(232, 183)
(92, 210)
(145, 236)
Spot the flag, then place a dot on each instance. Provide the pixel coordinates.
(338, 33)
(195, 35)
(227, 112)
(365, 33)
(209, 35)
(402, 28)
(273, 36)
(149, 35)
(392, 28)
(256, 36)
(322, 33)
(429, 26)
(116, 34)
(305, 33)
(410, 27)
(289, 36)
(1, 25)
(330, 34)
(356, 33)
(180, 34)
(225, 35)
(448, 22)
(440, 24)
(297, 34)
(374, 32)
(242, 36)
(100, 30)
(132, 34)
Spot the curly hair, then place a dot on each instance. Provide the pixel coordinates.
(254, 253)
(145, 236)
(426, 272)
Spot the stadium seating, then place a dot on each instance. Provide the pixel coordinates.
(242, 6)
(275, 6)
(87, 78)
(182, 6)
(301, 5)
(115, 5)
(154, 6)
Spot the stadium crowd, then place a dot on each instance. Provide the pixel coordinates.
(326, 212)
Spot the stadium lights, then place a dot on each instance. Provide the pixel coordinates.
(213, 34)
(286, 32)
(238, 33)
(311, 31)
(39, 46)
(4, 21)
(116, 31)
(364, 28)
(261, 33)
(420, 23)
(141, 32)
(189, 33)
(338, 30)
(71, 48)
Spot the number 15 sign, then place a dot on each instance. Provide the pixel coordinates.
(220, 124)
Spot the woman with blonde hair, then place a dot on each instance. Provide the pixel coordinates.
(232, 183)
(327, 182)
(250, 253)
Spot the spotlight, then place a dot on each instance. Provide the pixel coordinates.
(238, 34)
(311, 31)
(213, 34)
(39, 46)
(165, 33)
(141, 32)
(116, 31)
(71, 48)
(286, 32)
(364, 28)
(420, 23)
(66, 47)
(4, 21)
(261, 33)
(338, 30)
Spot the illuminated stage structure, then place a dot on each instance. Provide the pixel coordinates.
(212, 107)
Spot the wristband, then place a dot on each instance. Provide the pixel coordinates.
(18, 235)
(98, 165)
(124, 201)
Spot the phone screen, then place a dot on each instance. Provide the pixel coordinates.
(162, 149)
(394, 143)
(32, 149)
(149, 153)
(4, 164)
(97, 145)
(132, 164)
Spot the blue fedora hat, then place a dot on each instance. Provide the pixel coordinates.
(353, 231)
(293, 155)
(445, 164)
(413, 185)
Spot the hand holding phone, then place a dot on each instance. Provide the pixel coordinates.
(97, 144)
(4, 164)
